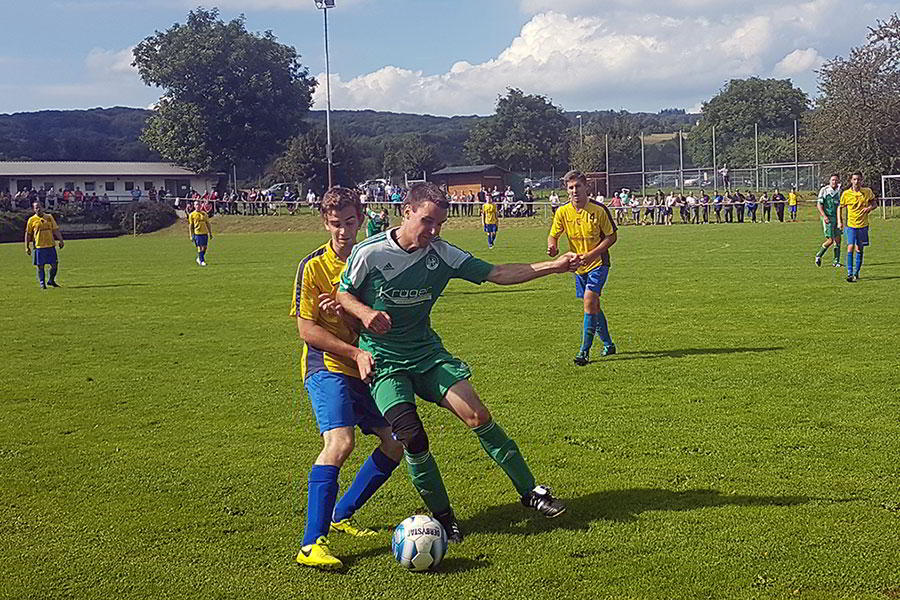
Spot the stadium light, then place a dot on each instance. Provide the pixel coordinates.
(324, 5)
(580, 132)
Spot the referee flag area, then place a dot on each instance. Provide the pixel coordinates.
(743, 443)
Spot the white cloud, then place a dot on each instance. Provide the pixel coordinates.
(635, 54)
(799, 62)
(109, 64)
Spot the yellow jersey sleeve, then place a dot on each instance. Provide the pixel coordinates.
(558, 226)
(606, 223)
(305, 303)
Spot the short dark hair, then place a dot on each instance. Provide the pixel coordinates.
(425, 191)
(838, 175)
(574, 174)
(338, 198)
(857, 173)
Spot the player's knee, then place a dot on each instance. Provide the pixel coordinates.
(338, 446)
(478, 417)
(408, 428)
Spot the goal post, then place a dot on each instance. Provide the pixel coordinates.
(890, 194)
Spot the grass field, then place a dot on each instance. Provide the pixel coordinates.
(155, 437)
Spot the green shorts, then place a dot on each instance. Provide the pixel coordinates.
(432, 385)
(831, 228)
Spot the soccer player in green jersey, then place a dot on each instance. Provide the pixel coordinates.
(390, 284)
(829, 203)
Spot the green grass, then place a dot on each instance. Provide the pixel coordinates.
(155, 438)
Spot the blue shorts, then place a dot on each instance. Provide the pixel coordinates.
(857, 236)
(201, 239)
(340, 400)
(490, 229)
(44, 256)
(793, 208)
(592, 280)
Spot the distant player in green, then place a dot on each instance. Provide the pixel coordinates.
(378, 222)
(829, 203)
(391, 282)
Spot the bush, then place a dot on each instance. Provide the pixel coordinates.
(12, 225)
(151, 216)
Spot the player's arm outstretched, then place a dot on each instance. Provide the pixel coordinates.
(511, 274)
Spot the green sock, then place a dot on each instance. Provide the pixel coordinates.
(506, 453)
(837, 253)
(426, 478)
(821, 252)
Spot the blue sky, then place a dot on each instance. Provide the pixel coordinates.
(449, 56)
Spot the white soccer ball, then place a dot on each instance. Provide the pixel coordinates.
(419, 543)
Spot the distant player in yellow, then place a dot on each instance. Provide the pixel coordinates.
(42, 231)
(489, 219)
(792, 203)
(591, 231)
(334, 370)
(201, 233)
(858, 201)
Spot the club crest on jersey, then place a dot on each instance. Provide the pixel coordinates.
(431, 262)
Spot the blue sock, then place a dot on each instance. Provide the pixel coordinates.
(40, 274)
(587, 339)
(371, 475)
(602, 329)
(849, 263)
(322, 491)
(859, 259)
(203, 256)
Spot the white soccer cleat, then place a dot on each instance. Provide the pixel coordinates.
(202, 263)
(198, 260)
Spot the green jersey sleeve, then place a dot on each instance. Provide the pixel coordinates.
(474, 270)
(354, 274)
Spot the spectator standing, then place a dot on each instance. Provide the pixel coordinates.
(779, 200)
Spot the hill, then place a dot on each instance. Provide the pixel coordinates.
(114, 133)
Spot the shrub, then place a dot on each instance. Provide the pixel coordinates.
(12, 225)
(151, 216)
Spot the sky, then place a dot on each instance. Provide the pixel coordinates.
(449, 57)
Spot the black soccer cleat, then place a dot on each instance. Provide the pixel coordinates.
(451, 526)
(850, 279)
(53, 284)
(581, 359)
(542, 500)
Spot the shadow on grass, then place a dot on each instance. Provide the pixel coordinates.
(612, 505)
(105, 285)
(877, 278)
(451, 564)
(682, 352)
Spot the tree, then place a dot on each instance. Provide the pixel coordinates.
(856, 123)
(772, 104)
(305, 161)
(229, 96)
(525, 132)
(410, 154)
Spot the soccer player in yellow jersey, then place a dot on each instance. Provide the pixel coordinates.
(334, 373)
(42, 231)
(858, 201)
(792, 203)
(198, 226)
(489, 220)
(591, 231)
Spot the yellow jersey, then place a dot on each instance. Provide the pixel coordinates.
(489, 211)
(855, 203)
(320, 273)
(792, 199)
(40, 229)
(585, 229)
(199, 222)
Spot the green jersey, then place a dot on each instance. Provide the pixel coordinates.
(830, 199)
(376, 224)
(406, 285)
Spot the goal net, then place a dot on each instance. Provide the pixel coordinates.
(890, 194)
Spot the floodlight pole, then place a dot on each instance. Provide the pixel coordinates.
(756, 146)
(580, 132)
(715, 162)
(606, 152)
(324, 5)
(796, 160)
(643, 167)
(681, 160)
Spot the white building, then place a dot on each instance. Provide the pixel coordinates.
(115, 179)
